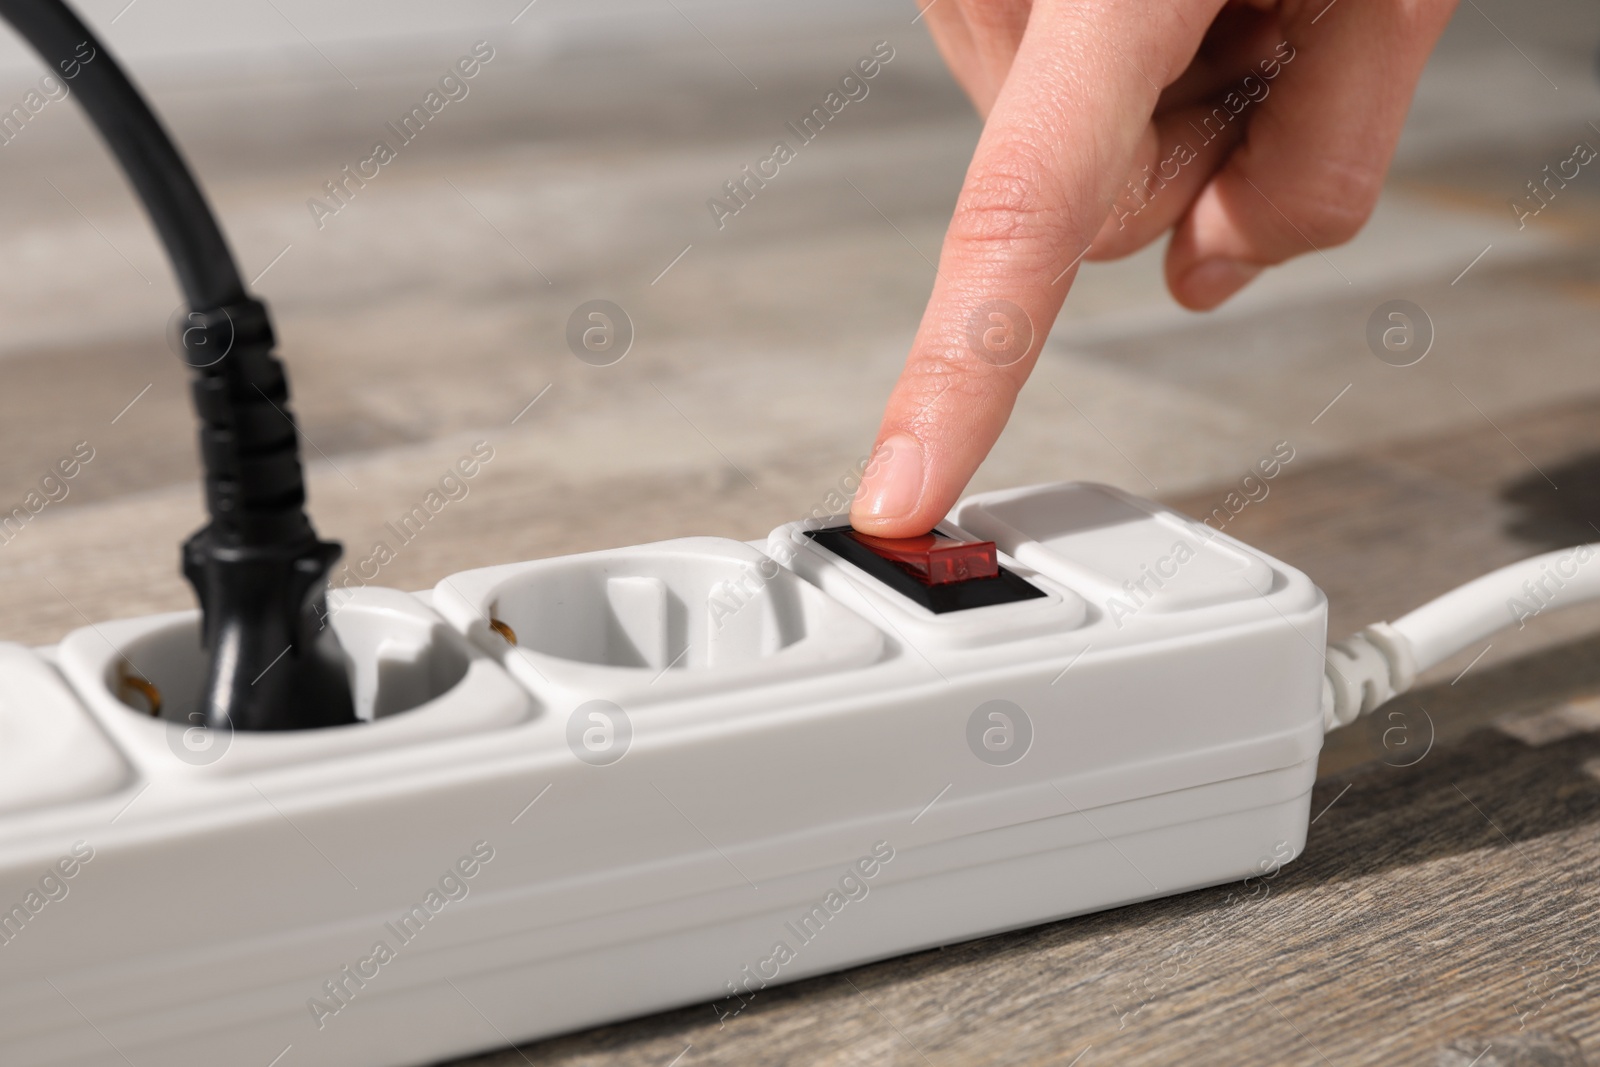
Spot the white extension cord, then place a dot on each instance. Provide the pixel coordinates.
(1383, 660)
(589, 787)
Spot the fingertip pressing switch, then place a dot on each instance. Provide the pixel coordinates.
(940, 572)
(935, 559)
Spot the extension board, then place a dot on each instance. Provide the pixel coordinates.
(704, 767)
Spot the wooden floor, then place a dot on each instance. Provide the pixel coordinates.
(1447, 907)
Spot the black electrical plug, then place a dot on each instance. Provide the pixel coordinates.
(258, 568)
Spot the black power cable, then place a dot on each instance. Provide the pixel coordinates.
(258, 567)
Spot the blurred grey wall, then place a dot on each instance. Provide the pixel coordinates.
(204, 34)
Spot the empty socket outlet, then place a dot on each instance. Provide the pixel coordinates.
(656, 622)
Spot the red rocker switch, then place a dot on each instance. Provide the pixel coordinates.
(935, 559)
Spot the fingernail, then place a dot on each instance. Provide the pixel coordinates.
(893, 483)
(1212, 281)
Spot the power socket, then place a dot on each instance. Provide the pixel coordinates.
(612, 783)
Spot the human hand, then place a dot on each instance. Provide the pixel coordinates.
(1253, 131)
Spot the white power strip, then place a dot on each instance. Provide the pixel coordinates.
(703, 768)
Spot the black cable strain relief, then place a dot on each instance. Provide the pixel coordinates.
(211, 335)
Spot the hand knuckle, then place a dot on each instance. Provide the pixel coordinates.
(1332, 211)
(945, 378)
(1003, 205)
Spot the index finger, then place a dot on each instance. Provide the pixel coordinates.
(1057, 144)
